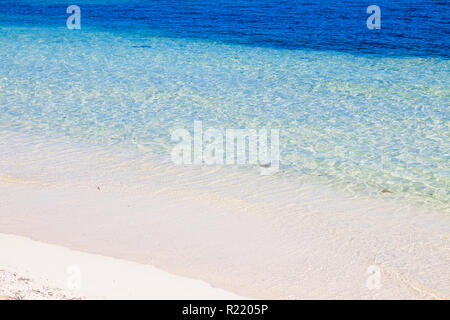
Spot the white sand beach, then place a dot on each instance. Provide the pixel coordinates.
(241, 251)
(156, 231)
(34, 270)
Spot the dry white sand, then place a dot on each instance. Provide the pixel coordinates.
(34, 270)
(14, 286)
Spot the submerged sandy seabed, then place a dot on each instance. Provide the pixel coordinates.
(258, 237)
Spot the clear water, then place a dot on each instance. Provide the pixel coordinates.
(357, 109)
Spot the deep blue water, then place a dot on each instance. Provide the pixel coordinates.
(419, 27)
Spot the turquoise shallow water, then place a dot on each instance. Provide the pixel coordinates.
(360, 122)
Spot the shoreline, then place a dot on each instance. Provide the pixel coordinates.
(247, 251)
(33, 270)
(258, 236)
